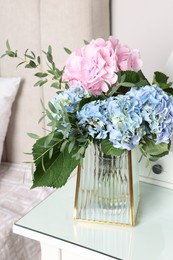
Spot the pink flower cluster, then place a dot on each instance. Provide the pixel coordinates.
(94, 66)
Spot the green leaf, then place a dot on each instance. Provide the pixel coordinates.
(38, 59)
(66, 86)
(49, 115)
(11, 53)
(126, 84)
(121, 77)
(31, 65)
(41, 118)
(55, 85)
(113, 90)
(20, 64)
(33, 54)
(142, 77)
(68, 51)
(37, 83)
(86, 42)
(108, 149)
(70, 146)
(29, 56)
(160, 77)
(53, 65)
(154, 159)
(64, 145)
(161, 80)
(50, 153)
(55, 171)
(26, 52)
(81, 140)
(52, 108)
(34, 136)
(8, 45)
(32, 57)
(49, 49)
(169, 91)
(131, 76)
(3, 55)
(42, 164)
(49, 57)
(48, 139)
(41, 74)
(152, 150)
(40, 82)
(51, 72)
(141, 83)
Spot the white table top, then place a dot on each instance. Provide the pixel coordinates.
(151, 239)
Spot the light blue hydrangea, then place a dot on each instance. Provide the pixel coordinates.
(67, 101)
(157, 111)
(124, 121)
(117, 118)
(92, 118)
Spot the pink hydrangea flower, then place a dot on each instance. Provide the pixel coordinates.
(94, 66)
(126, 59)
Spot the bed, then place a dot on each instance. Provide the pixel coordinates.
(16, 199)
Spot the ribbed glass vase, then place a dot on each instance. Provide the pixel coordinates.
(107, 189)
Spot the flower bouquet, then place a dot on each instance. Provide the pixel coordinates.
(102, 98)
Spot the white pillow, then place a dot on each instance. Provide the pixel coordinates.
(8, 90)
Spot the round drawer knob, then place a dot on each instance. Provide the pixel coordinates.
(157, 169)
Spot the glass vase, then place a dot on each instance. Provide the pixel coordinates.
(107, 188)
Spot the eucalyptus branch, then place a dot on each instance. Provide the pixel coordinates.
(31, 61)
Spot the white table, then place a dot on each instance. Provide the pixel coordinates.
(62, 238)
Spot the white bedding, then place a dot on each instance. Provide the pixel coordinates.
(16, 199)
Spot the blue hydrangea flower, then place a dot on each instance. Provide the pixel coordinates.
(118, 118)
(124, 121)
(67, 101)
(92, 118)
(157, 111)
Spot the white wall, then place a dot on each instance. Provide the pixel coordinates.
(148, 26)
